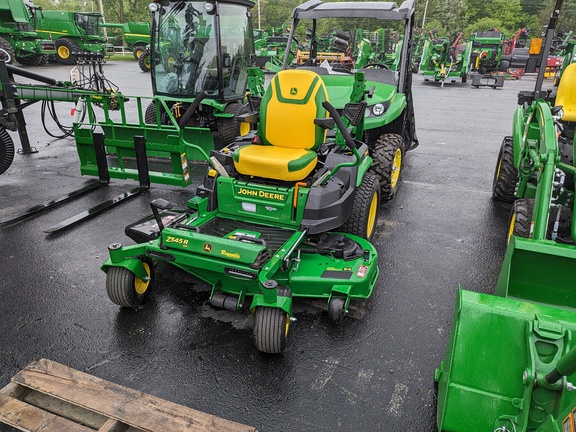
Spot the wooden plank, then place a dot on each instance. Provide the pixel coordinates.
(113, 426)
(14, 390)
(129, 406)
(28, 418)
(65, 409)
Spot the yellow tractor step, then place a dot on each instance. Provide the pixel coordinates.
(51, 397)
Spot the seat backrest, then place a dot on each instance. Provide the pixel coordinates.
(289, 106)
(566, 94)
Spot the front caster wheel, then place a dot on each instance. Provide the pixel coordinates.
(336, 309)
(271, 329)
(126, 289)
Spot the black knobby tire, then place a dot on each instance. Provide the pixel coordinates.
(138, 49)
(505, 174)
(144, 61)
(65, 51)
(229, 128)
(388, 154)
(270, 329)
(33, 60)
(6, 150)
(336, 310)
(125, 289)
(6, 51)
(365, 208)
(521, 218)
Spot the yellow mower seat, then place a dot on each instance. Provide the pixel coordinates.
(566, 94)
(286, 128)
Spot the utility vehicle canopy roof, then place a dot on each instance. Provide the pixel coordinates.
(381, 10)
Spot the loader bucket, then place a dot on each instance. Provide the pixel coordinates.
(498, 350)
(539, 271)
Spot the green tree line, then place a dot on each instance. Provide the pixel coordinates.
(449, 16)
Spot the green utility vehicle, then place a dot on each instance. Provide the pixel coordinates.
(389, 128)
(445, 59)
(135, 34)
(510, 364)
(72, 32)
(18, 40)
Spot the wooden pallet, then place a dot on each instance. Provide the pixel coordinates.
(50, 397)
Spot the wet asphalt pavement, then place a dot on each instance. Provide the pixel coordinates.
(373, 372)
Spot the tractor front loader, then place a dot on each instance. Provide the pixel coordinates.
(510, 362)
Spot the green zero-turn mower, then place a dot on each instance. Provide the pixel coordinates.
(389, 128)
(510, 364)
(283, 212)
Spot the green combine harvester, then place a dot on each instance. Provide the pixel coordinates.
(510, 364)
(135, 34)
(18, 39)
(72, 33)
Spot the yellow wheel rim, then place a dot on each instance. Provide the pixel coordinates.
(244, 128)
(396, 166)
(63, 52)
(287, 325)
(511, 228)
(138, 53)
(371, 223)
(498, 168)
(139, 285)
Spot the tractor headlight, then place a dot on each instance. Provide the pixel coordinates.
(208, 7)
(376, 110)
(153, 7)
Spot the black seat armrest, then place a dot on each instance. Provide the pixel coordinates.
(326, 123)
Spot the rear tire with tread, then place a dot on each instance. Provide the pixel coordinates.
(6, 51)
(144, 61)
(521, 218)
(388, 154)
(505, 174)
(229, 128)
(6, 150)
(364, 216)
(65, 49)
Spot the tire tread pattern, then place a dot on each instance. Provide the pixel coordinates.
(357, 221)
(383, 155)
(505, 181)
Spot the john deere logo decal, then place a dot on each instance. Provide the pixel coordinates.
(207, 247)
(293, 91)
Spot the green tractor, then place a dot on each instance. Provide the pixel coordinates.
(135, 34)
(72, 32)
(18, 39)
(446, 59)
(389, 126)
(510, 364)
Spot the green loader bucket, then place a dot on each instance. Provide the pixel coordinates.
(499, 352)
(540, 271)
